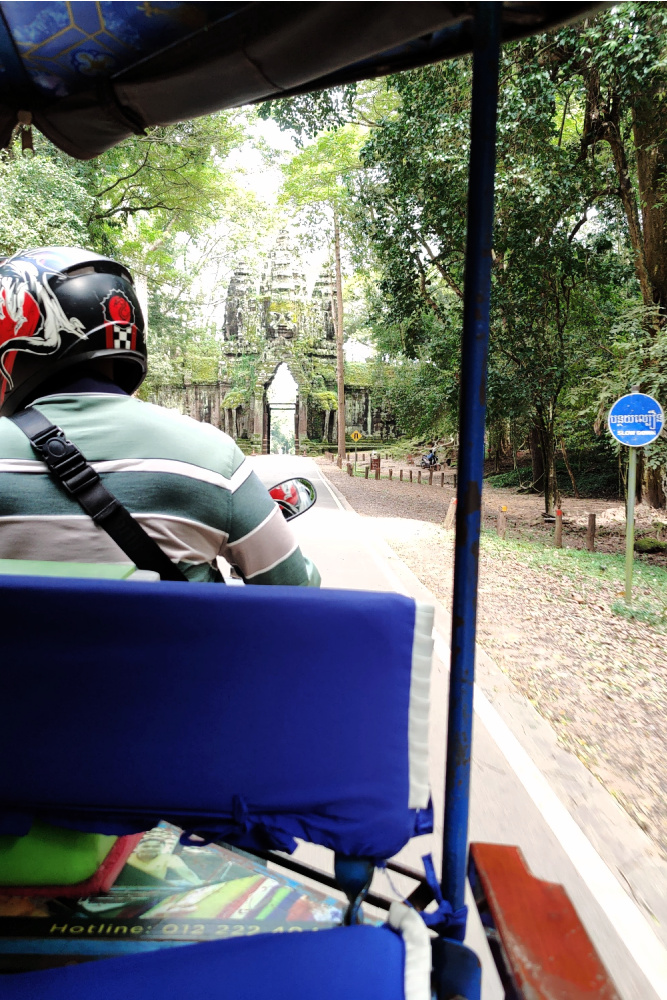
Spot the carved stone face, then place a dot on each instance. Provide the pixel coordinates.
(281, 324)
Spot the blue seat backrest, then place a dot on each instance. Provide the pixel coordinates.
(256, 713)
(347, 963)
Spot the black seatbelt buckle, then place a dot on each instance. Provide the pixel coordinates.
(66, 461)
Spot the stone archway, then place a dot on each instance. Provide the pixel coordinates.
(280, 423)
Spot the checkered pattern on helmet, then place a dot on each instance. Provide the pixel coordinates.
(122, 338)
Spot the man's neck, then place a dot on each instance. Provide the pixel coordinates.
(81, 383)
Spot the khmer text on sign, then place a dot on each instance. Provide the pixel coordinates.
(636, 419)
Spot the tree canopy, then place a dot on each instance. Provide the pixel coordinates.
(580, 244)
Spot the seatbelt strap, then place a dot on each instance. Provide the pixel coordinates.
(70, 467)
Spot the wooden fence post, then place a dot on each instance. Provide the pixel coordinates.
(410, 475)
(419, 476)
(366, 472)
(558, 535)
(450, 517)
(391, 473)
(400, 474)
(430, 477)
(377, 473)
(349, 468)
(590, 533)
(442, 479)
(502, 521)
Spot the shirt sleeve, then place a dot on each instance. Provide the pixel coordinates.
(261, 543)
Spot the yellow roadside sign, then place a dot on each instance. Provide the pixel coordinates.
(356, 435)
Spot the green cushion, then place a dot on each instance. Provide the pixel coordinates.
(51, 855)
(39, 567)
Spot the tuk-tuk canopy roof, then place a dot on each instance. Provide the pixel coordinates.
(88, 74)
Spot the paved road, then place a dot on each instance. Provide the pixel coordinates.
(526, 790)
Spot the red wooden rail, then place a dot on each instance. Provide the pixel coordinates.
(547, 953)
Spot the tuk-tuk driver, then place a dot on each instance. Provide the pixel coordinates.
(72, 345)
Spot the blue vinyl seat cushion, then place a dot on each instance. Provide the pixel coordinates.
(346, 963)
(259, 714)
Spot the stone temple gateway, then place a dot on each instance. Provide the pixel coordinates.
(267, 324)
(273, 325)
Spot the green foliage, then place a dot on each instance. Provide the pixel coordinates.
(162, 371)
(615, 69)
(360, 374)
(42, 203)
(152, 188)
(316, 180)
(309, 114)
(625, 46)
(166, 205)
(282, 441)
(635, 355)
(595, 472)
(559, 282)
(323, 400)
(242, 375)
(513, 477)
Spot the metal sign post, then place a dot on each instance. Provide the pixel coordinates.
(634, 420)
(355, 435)
(630, 524)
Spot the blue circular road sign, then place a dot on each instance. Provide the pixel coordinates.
(636, 419)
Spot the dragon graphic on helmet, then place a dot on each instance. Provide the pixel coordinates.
(60, 307)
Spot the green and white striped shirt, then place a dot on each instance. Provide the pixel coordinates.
(186, 483)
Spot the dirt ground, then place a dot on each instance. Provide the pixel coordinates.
(524, 511)
(554, 620)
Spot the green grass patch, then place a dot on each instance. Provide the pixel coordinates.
(642, 611)
(514, 478)
(585, 569)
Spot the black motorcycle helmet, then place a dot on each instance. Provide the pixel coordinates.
(64, 306)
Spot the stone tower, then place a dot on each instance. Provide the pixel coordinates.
(269, 321)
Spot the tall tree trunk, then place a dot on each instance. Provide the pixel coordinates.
(569, 468)
(551, 491)
(629, 202)
(650, 128)
(547, 440)
(602, 122)
(655, 494)
(536, 459)
(340, 360)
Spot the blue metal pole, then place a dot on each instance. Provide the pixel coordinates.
(472, 414)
